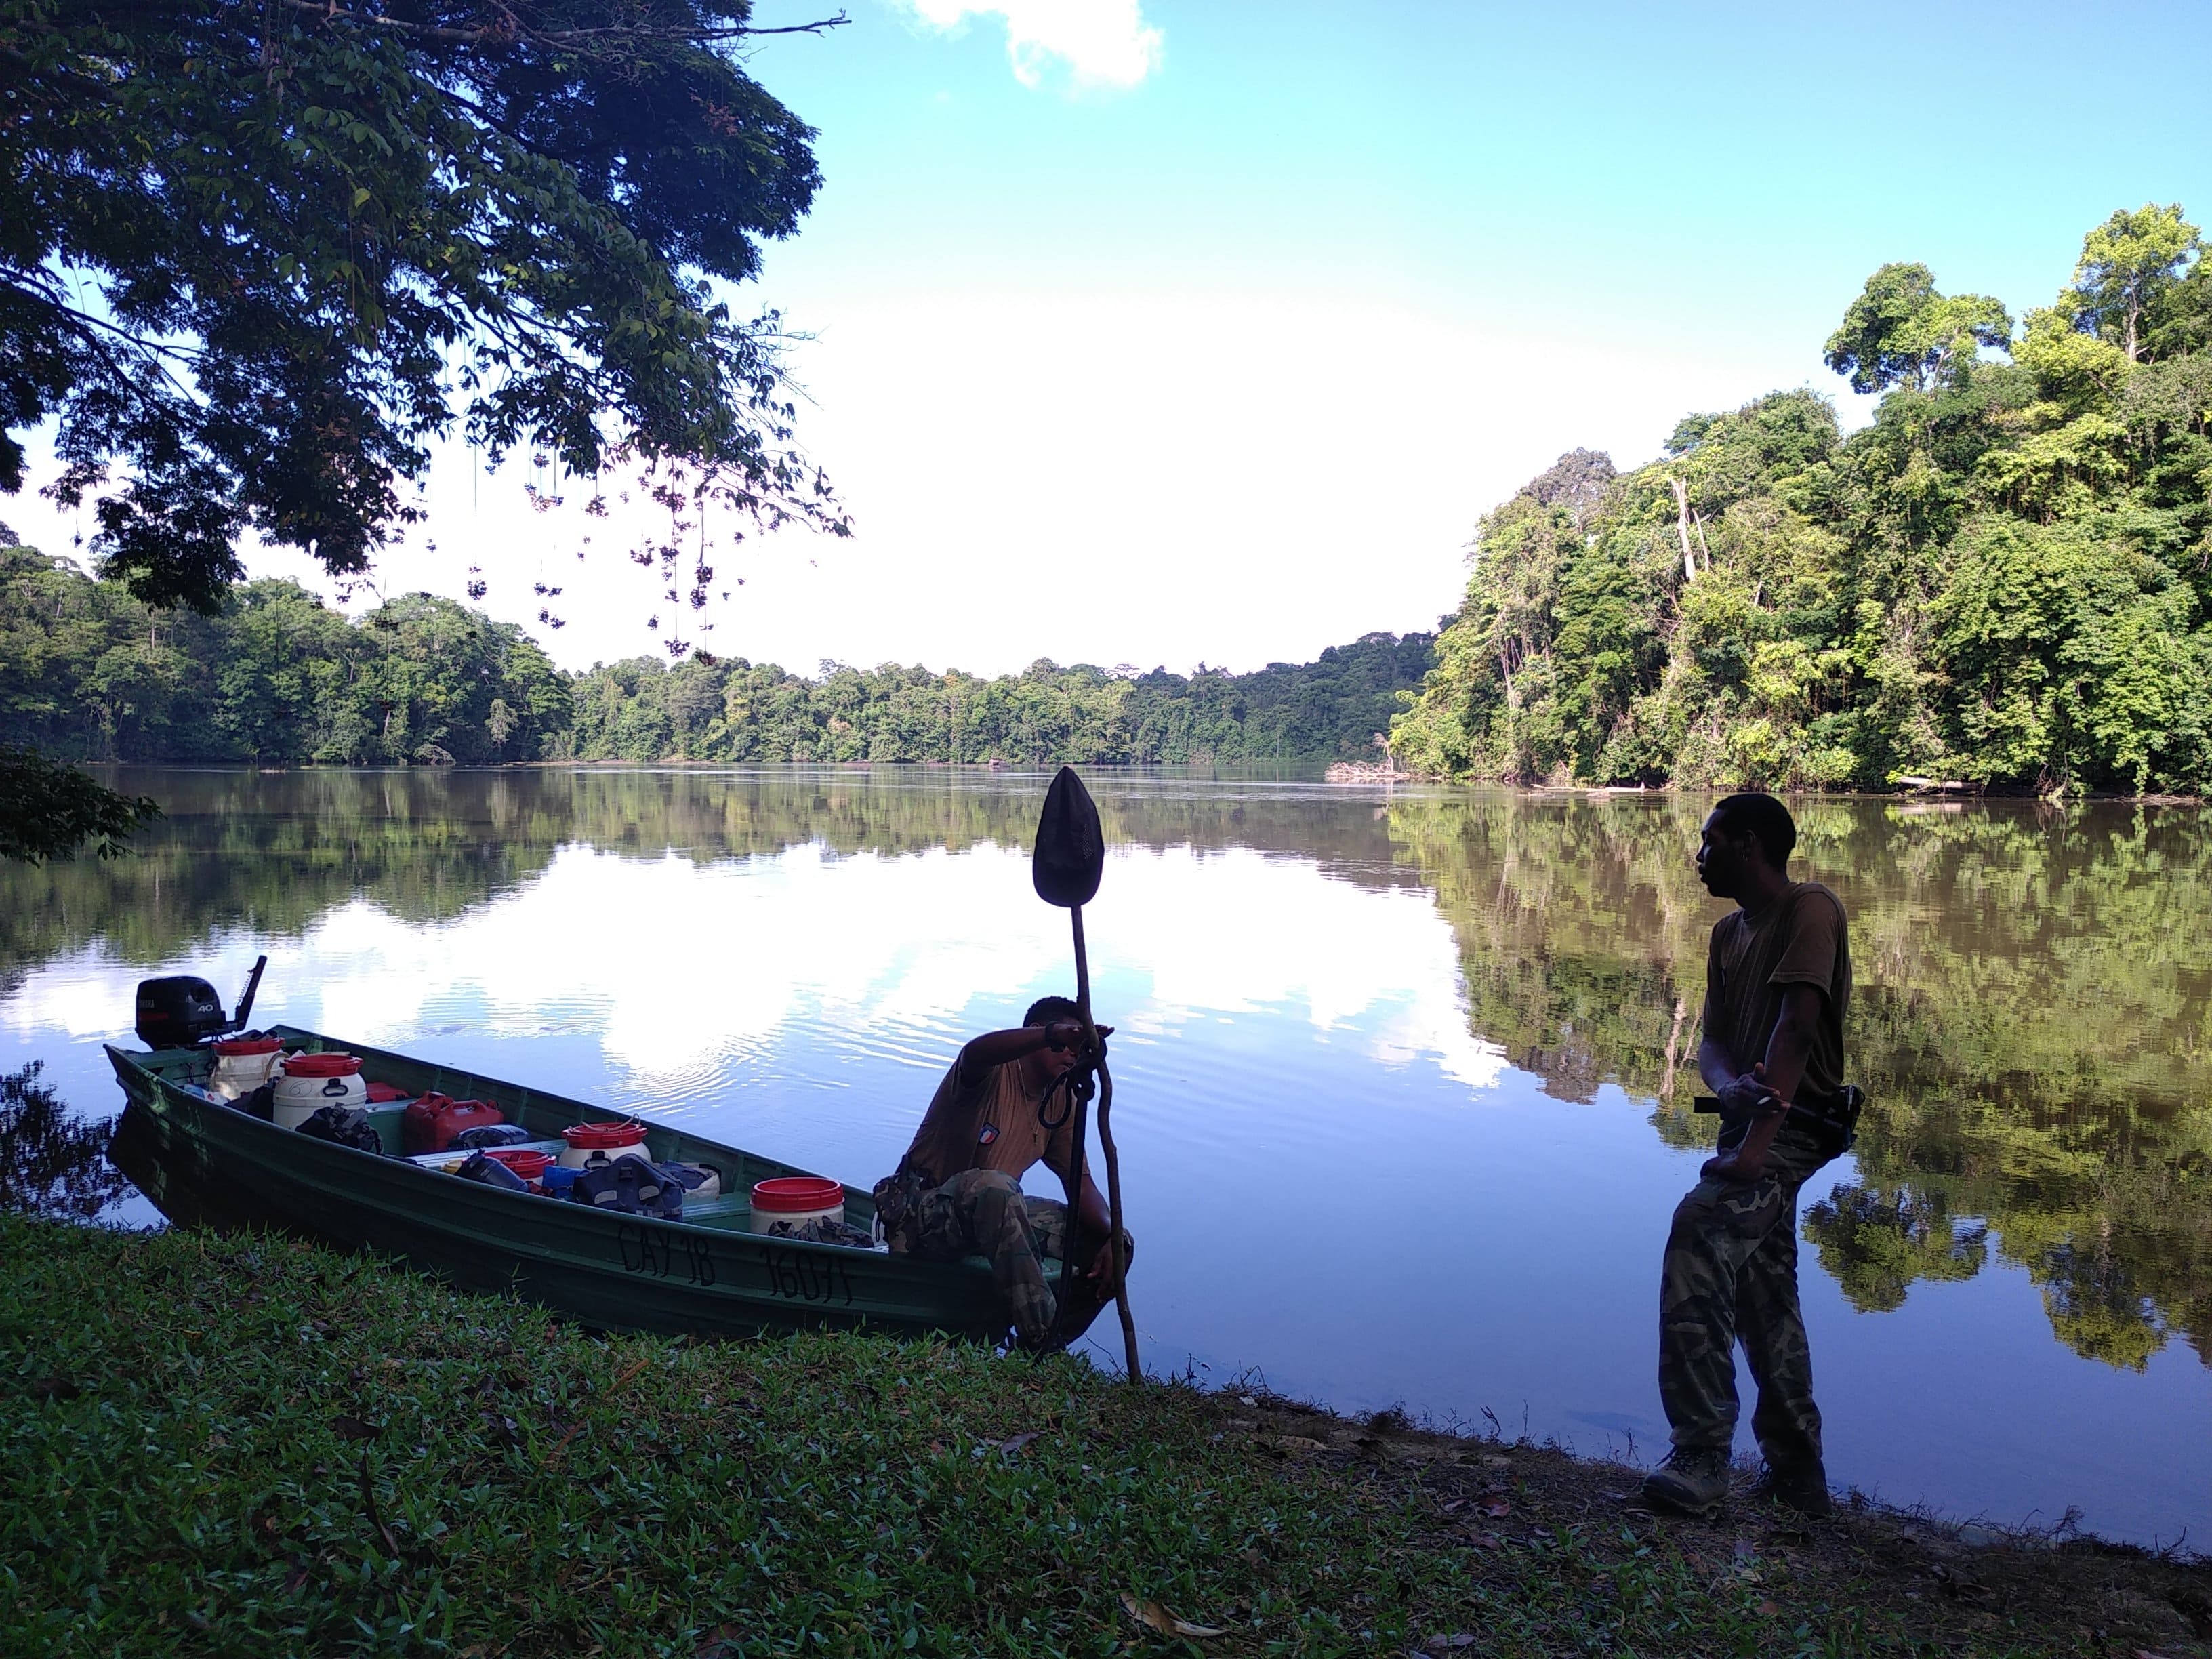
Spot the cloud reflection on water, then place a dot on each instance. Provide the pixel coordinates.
(683, 972)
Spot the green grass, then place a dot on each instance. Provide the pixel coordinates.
(249, 1446)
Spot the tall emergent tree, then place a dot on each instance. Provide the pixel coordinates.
(2004, 579)
(1900, 331)
(256, 254)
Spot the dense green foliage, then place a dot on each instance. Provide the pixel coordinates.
(254, 257)
(1331, 709)
(50, 810)
(88, 672)
(2005, 579)
(245, 1445)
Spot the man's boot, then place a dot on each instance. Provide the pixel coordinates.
(1803, 1486)
(1693, 1480)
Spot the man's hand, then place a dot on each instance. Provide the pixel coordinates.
(1101, 1266)
(1750, 1095)
(1062, 1035)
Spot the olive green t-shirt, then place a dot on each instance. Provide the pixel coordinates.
(1802, 938)
(989, 1124)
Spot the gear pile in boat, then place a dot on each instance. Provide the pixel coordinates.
(605, 1165)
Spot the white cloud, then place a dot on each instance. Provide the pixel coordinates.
(1103, 42)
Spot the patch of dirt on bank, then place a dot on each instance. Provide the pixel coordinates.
(1874, 1570)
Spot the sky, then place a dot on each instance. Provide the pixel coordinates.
(1155, 332)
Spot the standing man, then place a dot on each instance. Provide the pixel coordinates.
(1778, 981)
(1002, 1109)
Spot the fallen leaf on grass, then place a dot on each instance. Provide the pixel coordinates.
(1454, 1504)
(1152, 1616)
(1010, 1445)
(1484, 1540)
(1458, 1638)
(1493, 1505)
(1287, 1445)
(1769, 1609)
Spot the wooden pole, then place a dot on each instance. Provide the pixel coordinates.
(1097, 1057)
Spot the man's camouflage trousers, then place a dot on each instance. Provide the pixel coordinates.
(984, 1213)
(1730, 1274)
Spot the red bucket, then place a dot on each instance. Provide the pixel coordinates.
(322, 1066)
(798, 1195)
(529, 1164)
(603, 1137)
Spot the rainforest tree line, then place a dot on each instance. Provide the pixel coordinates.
(88, 672)
(2003, 579)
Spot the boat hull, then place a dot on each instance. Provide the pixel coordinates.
(204, 1164)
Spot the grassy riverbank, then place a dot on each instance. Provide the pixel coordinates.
(227, 1446)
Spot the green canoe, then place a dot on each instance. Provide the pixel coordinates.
(204, 1163)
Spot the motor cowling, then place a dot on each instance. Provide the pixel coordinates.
(179, 1011)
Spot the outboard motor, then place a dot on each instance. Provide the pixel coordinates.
(179, 1011)
(182, 1011)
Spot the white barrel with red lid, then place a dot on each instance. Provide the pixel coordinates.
(311, 1082)
(795, 1200)
(587, 1145)
(243, 1065)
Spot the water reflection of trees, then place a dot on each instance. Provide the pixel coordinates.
(273, 851)
(1876, 1244)
(51, 1164)
(2031, 982)
(2032, 985)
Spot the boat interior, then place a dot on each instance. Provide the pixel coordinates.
(543, 1115)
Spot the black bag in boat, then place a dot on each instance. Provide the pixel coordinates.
(347, 1126)
(259, 1103)
(632, 1186)
(489, 1134)
(492, 1173)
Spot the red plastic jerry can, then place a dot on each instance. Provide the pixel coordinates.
(430, 1124)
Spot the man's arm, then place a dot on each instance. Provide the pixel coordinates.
(1003, 1048)
(1789, 1046)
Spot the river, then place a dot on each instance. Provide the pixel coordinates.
(1392, 1078)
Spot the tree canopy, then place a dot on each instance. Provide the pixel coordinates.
(276, 675)
(2005, 579)
(255, 256)
(1901, 331)
(49, 811)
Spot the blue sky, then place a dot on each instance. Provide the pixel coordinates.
(1157, 332)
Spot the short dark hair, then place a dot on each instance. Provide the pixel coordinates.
(1764, 819)
(1045, 1010)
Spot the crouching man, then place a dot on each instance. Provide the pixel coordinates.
(1003, 1108)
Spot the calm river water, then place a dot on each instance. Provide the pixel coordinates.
(1393, 1082)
